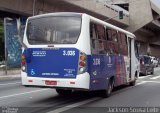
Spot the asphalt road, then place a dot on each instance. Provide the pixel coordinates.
(16, 98)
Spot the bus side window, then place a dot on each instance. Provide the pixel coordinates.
(112, 42)
(101, 37)
(93, 38)
(123, 46)
(101, 47)
(119, 38)
(124, 39)
(114, 36)
(100, 30)
(91, 30)
(136, 47)
(94, 48)
(115, 42)
(109, 34)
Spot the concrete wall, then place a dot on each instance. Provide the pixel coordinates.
(25, 7)
(155, 50)
(143, 48)
(97, 9)
(155, 5)
(146, 48)
(141, 36)
(140, 15)
(155, 40)
(118, 1)
(17, 6)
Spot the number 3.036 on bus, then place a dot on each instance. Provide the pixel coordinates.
(75, 51)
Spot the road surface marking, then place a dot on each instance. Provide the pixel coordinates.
(153, 81)
(10, 83)
(141, 83)
(22, 93)
(65, 108)
(153, 78)
(145, 76)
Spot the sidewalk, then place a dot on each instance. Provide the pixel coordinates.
(11, 74)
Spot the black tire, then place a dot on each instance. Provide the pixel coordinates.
(133, 83)
(26, 86)
(146, 73)
(106, 93)
(152, 71)
(140, 74)
(64, 92)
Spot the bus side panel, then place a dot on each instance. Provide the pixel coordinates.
(122, 69)
(101, 68)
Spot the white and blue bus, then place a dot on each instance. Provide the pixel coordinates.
(75, 51)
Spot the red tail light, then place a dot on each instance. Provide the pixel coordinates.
(82, 63)
(141, 61)
(23, 60)
(23, 63)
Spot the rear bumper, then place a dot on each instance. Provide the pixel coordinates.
(146, 69)
(142, 70)
(82, 81)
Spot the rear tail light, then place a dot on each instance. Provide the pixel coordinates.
(23, 63)
(82, 63)
(83, 58)
(141, 61)
(23, 60)
(30, 80)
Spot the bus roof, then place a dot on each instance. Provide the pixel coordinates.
(91, 17)
(57, 14)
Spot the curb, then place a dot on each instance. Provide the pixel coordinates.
(5, 77)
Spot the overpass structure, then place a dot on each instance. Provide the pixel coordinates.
(141, 17)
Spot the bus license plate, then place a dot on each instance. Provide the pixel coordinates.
(47, 82)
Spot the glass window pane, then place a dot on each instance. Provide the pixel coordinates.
(100, 32)
(114, 35)
(124, 39)
(109, 35)
(54, 30)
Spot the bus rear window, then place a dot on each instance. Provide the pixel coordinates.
(53, 30)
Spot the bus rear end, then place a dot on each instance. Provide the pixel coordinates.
(51, 57)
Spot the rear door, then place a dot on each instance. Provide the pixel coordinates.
(129, 55)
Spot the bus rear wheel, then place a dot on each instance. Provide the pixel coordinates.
(106, 93)
(64, 92)
(133, 83)
(152, 71)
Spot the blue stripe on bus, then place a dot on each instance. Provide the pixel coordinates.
(102, 67)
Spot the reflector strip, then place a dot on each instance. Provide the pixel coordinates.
(30, 80)
(72, 82)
